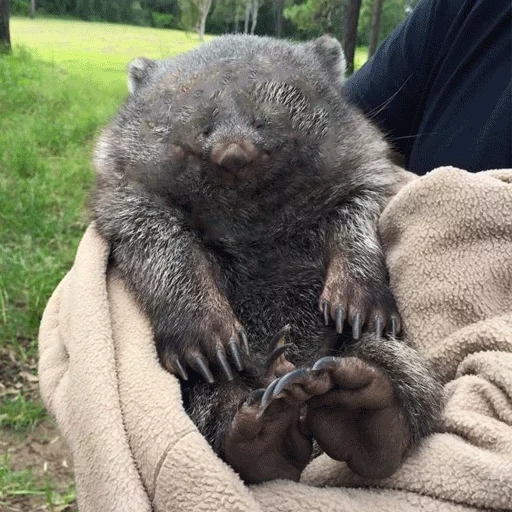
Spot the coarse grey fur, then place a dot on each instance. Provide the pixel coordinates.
(208, 250)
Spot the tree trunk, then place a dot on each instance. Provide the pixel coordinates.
(5, 36)
(204, 9)
(32, 9)
(255, 8)
(237, 20)
(350, 33)
(247, 14)
(376, 17)
(278, 16)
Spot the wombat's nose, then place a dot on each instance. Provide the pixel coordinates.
(233, 156)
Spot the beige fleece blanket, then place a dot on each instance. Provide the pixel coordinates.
(449, 245)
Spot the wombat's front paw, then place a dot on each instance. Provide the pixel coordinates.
(210, 342)
(364, 302)
(266, 443)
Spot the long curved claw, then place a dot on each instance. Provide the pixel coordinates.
(326, 307)
(395, 325)
(223, 364)
(326, 363)
(245, 341)
(356, 326)
(180, 369)
(200, 365)
(277, 352)
(267, 396)
(234, 350)
(379, 326)
(340, 319)
(288, 379)
(279, 339)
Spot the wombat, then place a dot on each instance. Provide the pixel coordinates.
(240, 193)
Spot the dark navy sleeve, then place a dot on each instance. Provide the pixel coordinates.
(440, 85)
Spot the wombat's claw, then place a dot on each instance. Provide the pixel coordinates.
(276, 363)
(279, 340)
(290, 378)
(200, 365)
(339, 315)
(267, 397)
(395, 325)
(281, 384)
(326, 363)
(379, 326)
(176, 363)
(356, 326)
(223, 364)
(245, 341)
(234, 350)
(276, 353)
(326, 307)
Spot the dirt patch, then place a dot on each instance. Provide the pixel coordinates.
(45, 453)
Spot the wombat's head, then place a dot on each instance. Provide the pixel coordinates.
(240, 112)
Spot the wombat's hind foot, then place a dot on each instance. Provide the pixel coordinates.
(267, 446)
(359, 419)
(352, 412)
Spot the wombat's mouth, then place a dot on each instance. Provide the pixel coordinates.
(222, 176)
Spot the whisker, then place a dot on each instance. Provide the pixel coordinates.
(379, 108)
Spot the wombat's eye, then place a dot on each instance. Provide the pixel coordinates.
(258, 123)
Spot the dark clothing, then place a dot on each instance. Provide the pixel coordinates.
(440, 85)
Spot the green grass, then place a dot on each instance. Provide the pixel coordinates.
(50, 110)
(62, 83)
(98, 51)
(20, 485)
(18, 413)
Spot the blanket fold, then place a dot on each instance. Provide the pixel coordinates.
(448, 239)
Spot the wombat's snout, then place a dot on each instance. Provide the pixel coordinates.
(233, 156)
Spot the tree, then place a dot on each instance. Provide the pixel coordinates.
(278, 17)
(194, 14)
(350, 33)
(376, 17)
(314, 18)
(203, 7)
(5, 36)
(32, 9)
(251, 12)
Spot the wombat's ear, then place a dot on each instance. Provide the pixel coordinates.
(138, 72)
(329, 51)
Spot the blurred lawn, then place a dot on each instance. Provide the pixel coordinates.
(98, 51)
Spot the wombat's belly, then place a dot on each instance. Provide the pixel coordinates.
(277, 292)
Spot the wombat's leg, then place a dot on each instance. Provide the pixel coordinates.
(173, 279)
(369, 409)
(356, 287)
(258, 446)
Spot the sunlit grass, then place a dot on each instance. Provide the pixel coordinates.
(98, 51)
